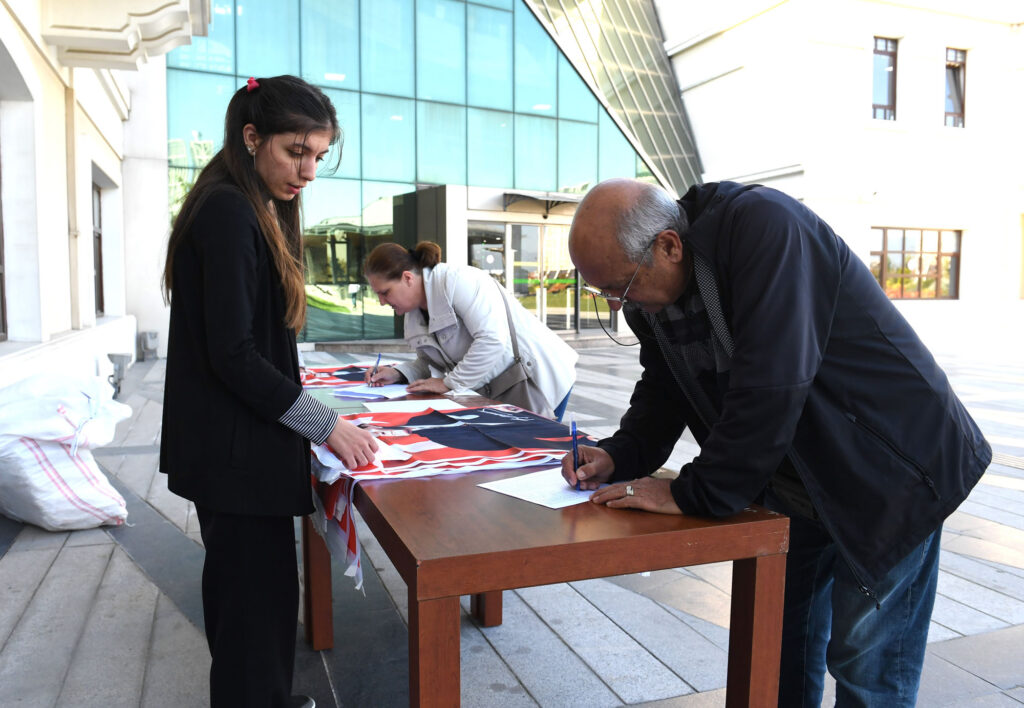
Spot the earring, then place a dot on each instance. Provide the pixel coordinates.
(250, 148)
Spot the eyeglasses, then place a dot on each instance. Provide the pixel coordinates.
(622, 300)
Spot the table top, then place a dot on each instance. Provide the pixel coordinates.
(449, 536)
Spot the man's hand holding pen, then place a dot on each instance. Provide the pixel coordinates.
(596, 467)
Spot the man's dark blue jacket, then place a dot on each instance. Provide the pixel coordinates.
(825, 371)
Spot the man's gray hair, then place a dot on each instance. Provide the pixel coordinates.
(653, 212)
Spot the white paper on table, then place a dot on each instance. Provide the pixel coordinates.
(547, 488)
(367, 391)
(412, 406)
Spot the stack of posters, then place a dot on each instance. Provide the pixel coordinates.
(431, 442)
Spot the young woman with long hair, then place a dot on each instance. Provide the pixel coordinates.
(236, 423)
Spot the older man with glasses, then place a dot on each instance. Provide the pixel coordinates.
(807, 391)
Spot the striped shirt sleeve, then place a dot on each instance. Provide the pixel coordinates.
(310, 418)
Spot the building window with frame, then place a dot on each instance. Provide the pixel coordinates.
(97, 248)
(916, 264)
(956, 70)
(883, 93)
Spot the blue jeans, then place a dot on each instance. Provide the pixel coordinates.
(875, 654)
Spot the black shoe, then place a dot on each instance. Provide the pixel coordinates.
(303, 702)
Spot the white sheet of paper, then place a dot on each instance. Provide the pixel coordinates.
(438, 404)
(366, 391)
(546, 488)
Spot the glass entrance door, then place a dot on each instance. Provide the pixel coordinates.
(532, 261)
(543, 277)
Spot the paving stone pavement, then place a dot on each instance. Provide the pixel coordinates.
(112, 616)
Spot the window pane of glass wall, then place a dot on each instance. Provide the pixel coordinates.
(195, 128)
(331, 200)
(575, 101)
(615, 157)
(536, 66)
(258, 20)
(487, 248)
(346, 106)
(535, 152)
(441, 50)
(489, 57)
(332, 256)
(387, 47)
(489, 148)
(377, 207)
(577, 155)
(389, 138)
(440, 143)
(379, 321)
(330, 42)
(214, 52)
(503, 4)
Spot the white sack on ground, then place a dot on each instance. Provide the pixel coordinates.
(48, 477)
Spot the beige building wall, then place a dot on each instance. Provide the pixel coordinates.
(780, 93)
(64, 109)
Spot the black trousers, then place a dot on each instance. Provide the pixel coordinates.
(251, 606)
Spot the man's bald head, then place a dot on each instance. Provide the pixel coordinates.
(625, 213)
(615, 225)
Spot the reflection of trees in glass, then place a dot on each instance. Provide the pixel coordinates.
(340, 306)
(913, 264)
(183, 166)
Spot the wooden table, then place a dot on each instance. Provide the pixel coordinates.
(447, 537)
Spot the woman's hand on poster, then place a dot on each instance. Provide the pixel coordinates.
(355, 446)
(434, 385)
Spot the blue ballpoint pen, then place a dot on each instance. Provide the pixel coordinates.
(374, 372)
(575, 449)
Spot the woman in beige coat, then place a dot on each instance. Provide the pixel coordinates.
(456, 321)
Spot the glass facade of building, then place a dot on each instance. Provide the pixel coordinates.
(428, 92)
(618, 45)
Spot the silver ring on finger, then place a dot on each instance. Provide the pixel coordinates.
(629, 490)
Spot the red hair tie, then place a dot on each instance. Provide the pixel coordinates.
(252, 84)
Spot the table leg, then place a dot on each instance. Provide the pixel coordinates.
(318, 615)
(486, 608)
(434, 652)
(755, 631)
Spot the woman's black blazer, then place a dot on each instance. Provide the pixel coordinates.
(232, 370)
